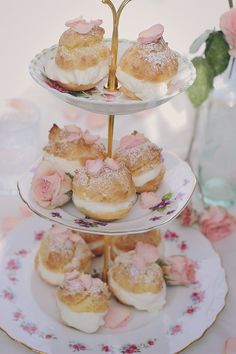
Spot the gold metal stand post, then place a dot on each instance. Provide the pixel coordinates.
(112, 85)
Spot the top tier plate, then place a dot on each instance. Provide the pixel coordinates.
(101, 101)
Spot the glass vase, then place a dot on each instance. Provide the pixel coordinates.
(217, 163)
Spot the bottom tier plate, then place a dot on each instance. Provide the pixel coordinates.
(29, 314)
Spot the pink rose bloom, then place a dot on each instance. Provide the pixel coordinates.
(50, 186)
(179, 270)
(188, 216)
(216, 223)
(228, 27)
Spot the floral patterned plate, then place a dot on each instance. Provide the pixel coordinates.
(29, 314)
(101, 101)
(175, 191)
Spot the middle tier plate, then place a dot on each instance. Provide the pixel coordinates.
(175, 192)
(102, 101)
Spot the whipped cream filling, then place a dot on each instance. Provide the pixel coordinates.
(54, 278)
(88, 322)
(161, 249)
(87, 76)
(103, 207)
(145, 177)
(68, 166)
(141, 88)
(151, 302)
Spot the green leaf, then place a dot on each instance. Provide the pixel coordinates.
(167, 196)
(217, 52)
(203, 83)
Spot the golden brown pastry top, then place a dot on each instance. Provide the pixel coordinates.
(128, 243)
(132, 279)
(89, 238)
(83, 293)
(107, 185)
(63, 249)
(141, 157)
(71, 143)
(154, 61)
(81, 51)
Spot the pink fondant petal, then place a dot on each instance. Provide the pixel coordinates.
(82, 26)
(148, 252)
(117, 317)
(151, 34)
(112, 164)
(86, 280)
(94, 167)
(130, 141)
(149, 200)
(138, 262)
(89, 138)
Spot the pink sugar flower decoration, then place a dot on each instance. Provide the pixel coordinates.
(50, 186)
(152, 34)
(82, 26)
(149, 200)
(117, 317)
(188, 216)
(217, 223)
(94, 167)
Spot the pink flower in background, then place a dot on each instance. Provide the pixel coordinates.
(50, 186)
(72, 114)
(9, 222)
(179, 270)
(25, 212)
(176, 329)
(198, 296)
(230, 346)
(216, 223)
(188, 216)
(95, 120)
(228, 27)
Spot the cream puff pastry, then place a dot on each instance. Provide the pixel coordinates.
(69, 148)
(95, 243)
(125, 243)
(144, 160)
(136, 280)
(103, 190)
(82, 59)
(146, 68)
(61, 250)
(82, 301)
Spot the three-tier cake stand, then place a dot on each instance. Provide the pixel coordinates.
(165, 333)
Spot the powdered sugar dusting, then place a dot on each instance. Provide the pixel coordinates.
(157, 54)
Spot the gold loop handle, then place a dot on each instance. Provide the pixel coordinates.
(112, 84)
